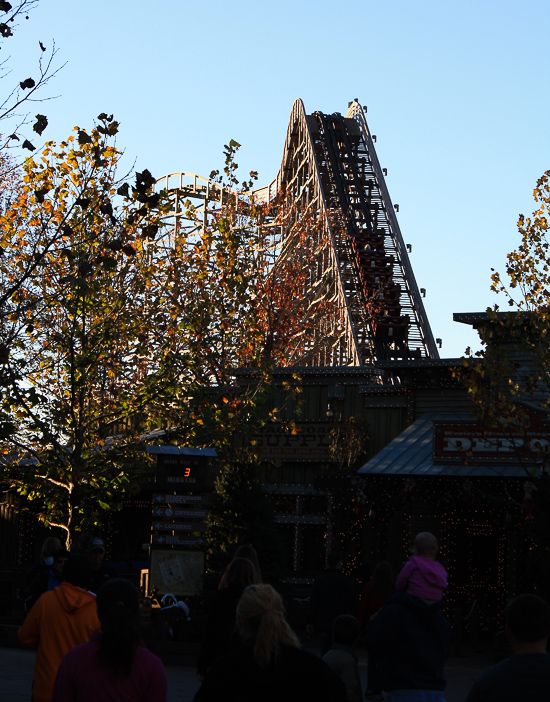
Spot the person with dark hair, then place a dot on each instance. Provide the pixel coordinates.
(341, 658)
(47, 579)
(102, 571)
(526, 674)
(49, 546)
(58, 621)
(219, 633)
(245, 551)
(332, 594)
(45, 560)
(114, 664)
(269, 665)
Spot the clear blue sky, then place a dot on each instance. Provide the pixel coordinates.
(457, 93)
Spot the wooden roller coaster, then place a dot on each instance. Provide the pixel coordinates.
(330, 184)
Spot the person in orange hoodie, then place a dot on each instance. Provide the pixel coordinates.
(59, 620)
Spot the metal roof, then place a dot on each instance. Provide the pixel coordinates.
(411, 453)
(183, 451)
(477, 318)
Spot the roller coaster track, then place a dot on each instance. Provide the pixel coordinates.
(357, 260)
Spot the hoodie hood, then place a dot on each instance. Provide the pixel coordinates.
(72, 598)
(432, 571)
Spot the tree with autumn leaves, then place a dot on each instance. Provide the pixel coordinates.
(509, 378)
(114, 323)
(511, 371)
(109, 329)
(74, 313)
(226, 308)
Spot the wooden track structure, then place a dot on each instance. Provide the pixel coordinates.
(356, 260)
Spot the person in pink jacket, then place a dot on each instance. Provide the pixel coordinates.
(422, 576)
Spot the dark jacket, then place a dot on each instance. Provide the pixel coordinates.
(44, 581)
(522, 677)
(332, 594)
(219, 634)
(297, 676)
(415, 638)
(100, 576)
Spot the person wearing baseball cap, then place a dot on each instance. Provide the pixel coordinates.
(102, 571)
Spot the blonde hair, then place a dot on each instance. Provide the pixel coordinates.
(261, 619)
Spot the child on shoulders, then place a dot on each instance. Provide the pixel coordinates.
(422, 576)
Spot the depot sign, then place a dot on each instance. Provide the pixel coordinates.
(462, 441)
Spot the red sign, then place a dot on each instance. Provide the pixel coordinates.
(460, 441)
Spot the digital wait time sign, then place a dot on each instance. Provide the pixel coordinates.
(182, 472)
(179, 512)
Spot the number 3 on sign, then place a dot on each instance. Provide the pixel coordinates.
(187, 472)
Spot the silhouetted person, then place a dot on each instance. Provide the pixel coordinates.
(341, 658)
(332, 594)
(245, 551)
(49, 546)
(269, 665)
(526, 674)
(414, 637)
(219, 634)
(101, 570)
(48, 579)
(114, 664)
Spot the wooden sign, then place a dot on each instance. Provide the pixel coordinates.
(461, 441)
(179, 526)
(177, 540)
(172, 513)
(164, 499)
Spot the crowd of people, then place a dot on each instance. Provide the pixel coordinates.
(85, 623)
